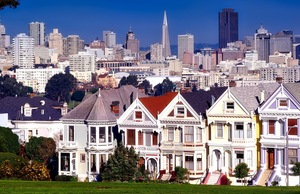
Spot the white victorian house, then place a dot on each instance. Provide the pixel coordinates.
(90, 132)
(280, 136)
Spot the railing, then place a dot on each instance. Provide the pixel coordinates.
(67, 144)
(271, 177)
(280, 138)
(256, 177)
(242, 141)
(146, 148)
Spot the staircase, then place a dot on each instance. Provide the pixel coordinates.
(264, 177)
(213, 178)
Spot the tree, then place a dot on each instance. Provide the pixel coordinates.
(241, 171)
(9, 142)
(78, 95)
(59, 87)
(10, 87)
(122, 165)
(146, 86)
(296, 170)
(130, 80)
(181, 173)
(164, 87)
(40, 149)
(9, 3)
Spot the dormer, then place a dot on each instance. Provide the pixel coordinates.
(27, 110)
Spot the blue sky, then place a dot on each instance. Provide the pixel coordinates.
(199, 17)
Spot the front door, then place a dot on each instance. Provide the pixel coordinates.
(270, 158)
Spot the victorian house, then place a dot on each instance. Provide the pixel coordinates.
(280, 136)
(90, 131)
(233, 129)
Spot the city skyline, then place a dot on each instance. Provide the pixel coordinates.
(199, 18)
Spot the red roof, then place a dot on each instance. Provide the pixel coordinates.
(157, 104)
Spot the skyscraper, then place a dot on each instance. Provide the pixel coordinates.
(37, 32)
(23, 51)
(132, 43)
(185, 45)
(56, 41)
(262, 43)
(228, 27)
(109, 38)
(165, 38)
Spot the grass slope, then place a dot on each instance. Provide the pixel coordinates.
(12, 186)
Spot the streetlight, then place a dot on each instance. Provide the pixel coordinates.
(286, 152)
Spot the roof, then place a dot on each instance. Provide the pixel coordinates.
(157, 104)
(13, 106)
(97, 107)
(202, 100)
(293, 88)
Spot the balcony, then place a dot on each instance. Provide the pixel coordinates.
(69, 145)
(243, 142)
(146, 148)
(293, 139)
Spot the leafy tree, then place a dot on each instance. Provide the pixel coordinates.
(59, 87)
(10, 87)
(122, 165)
(241, 171)
(40, 149)
(181, 173)
(78, 95)
(9, 142)
(146, 86)
(9, 3)
(130, 80)
(164, 87)
(296, 170)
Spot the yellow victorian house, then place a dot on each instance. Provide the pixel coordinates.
(233, 130)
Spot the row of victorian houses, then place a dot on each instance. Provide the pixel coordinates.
(207, 132)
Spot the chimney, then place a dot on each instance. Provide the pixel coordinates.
(115, 107)
(262, 96)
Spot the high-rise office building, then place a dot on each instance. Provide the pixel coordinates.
(23, 51)
(185, 45)
(56, 41)
(4, 38)
(72, 45)
(262, 43)
(228, 27)
(132, 43)
(165, 37)
(109, 38)
(37, 32)
(156, 52)
(281, 42)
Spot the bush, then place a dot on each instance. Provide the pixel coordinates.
(181, 173)
(35, 171)
(65, 178)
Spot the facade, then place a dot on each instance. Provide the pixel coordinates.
(36, 78)
(90, 132)
(37, 32)
(109, 38)
(285, 74)
(23, 51)
(132, 44)
(185, 45)
(56, 41)
(228, 27)
(72, 45)
(262, 43)
(156, 52)
(165, 41)
(281, 42)
(280, 135)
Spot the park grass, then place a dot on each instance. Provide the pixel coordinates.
(24, 187)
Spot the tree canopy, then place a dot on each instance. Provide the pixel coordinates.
(130, 80)
(241, 170)
(59, 87)
(40, 149)
(9, 142)
(9, 3)
(146, 86)
(10, 87)
(164, 87)
(122, 165)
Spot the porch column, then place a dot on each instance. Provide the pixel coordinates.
(136, 138)
(59, 162)
(262, 157)
(275, 156)
(173, 162)
(161, 161)
(183, 159)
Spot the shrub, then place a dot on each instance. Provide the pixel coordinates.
(181, 173)
(35, 171)
(65, 178)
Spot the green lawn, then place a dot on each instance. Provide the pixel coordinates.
(11, 186)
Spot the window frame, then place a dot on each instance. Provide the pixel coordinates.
(219, 128)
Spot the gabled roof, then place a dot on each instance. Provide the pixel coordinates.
(98, 107)
(202, 99)
(294, 89)
(157, 104)
(43, 109)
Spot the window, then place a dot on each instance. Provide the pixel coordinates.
(292, 156)
(154, 138)
(65, 162)
(71, 133)
(130, 137)
(189, 134)
(171, 133)
(230, 105)
(239, 157)
(292, 126)
(271, 127)
(239, 130)
(249, 130)
(219, 130)
(199, 135)
(199, 162)
(93, 162)
(189, 162)
(82, 158)
(249, 158)
(138, 115)
(180, 111)
(283, 102)
(140, 138)
(109, 134)
(93, 135)
(101, 134)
